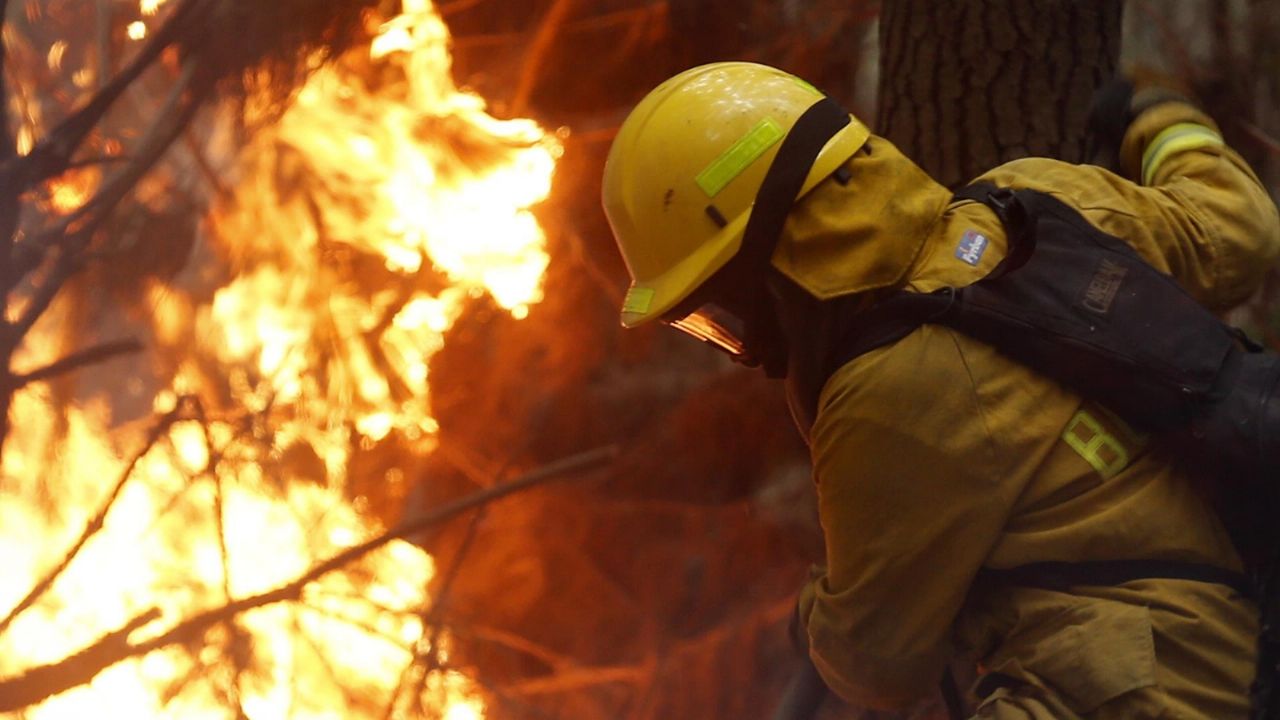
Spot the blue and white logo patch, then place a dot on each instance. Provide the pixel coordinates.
(972, 247)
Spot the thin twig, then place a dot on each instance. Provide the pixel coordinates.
(235, 635)
(96, 522)
(9, 198)
(1262, 137)
(50, 156)
(152, 147)
(65, 265)
(207, 171)
(173, 117)
(78, 669)
(511, 641)
(105, 66)
(543, 40)
(428, 657)
(29, 254)
(457, 6)
(363, 626)
(7, 149)
(77, 360)
(98, 161)
(16, 693)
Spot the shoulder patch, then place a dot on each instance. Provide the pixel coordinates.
(973, 245)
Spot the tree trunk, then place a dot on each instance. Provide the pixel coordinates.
(965, 86)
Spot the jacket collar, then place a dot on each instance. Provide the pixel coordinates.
(866, 234)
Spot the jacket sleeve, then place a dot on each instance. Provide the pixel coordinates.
(1210, 220)
(910, 507)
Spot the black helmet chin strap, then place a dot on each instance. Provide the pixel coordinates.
(747, 270)
(786, 176)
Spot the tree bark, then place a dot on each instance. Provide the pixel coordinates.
(965, 86)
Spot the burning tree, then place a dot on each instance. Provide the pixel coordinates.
(217, 559)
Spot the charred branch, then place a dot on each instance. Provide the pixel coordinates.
(9, 201)
(42, 682)
(76, 361)
(50, 156)
(543, 40)
(94, 526)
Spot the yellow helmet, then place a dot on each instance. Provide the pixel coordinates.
(685, 169)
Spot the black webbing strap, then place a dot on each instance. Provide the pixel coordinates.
(1063, 576)
(899, 314)
(785, 179)
(951, 696)
(1007, 206)
(887, 322)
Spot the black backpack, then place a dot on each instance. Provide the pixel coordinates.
(1083, 308)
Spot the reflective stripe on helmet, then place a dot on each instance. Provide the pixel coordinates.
(739, 156)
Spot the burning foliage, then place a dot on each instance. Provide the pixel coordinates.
(223, 565)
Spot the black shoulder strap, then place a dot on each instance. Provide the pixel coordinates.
(899, 314)
(785, 178)
(751, 265)
(888, 321)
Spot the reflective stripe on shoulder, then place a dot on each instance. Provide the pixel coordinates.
(1173, 140)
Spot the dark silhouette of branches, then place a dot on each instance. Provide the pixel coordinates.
(51, 155)
(96, 522)
(77, 360)
(38, 683)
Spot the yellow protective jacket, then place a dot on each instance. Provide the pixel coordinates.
(935, 457)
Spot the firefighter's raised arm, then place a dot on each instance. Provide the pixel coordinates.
(1211, 219)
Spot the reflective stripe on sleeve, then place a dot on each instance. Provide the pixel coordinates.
(1173, 140)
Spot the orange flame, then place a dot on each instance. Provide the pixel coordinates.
(68, 192)
(363, 222)
(399, 201)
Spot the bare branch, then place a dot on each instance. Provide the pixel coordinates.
(1263, 138)
(7, 149)
(542, 43)
(581, 678)
(426, 656)
(46, 681)
(15, 693)
(174, 117)
(457, 6)
(207, 171)
(511, 641)
(104, 41)
(50, 156)
(8, 198)
(95, 524)
(75, 361)
(64, 266)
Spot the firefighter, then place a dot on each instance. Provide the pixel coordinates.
(937, 459)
